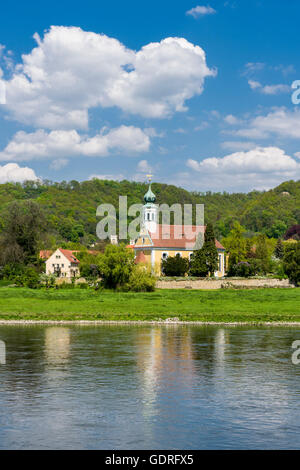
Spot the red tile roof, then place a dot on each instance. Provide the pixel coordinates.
(178, 236)
(45, 254)
(69, 255)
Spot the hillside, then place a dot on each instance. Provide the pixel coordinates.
(71, 207)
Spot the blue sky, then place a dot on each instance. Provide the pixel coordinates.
(199, 94)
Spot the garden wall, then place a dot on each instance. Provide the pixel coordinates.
(221, 283)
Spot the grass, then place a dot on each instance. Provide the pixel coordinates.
(257, 305)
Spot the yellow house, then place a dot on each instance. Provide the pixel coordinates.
(158, 241)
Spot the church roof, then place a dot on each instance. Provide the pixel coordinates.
(149, 196)
(178, 236)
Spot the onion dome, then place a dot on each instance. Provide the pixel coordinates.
(149, 196)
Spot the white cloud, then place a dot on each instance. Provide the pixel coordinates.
(230, 119)
(269, 89)
(59, 163)
(260, 168)
(280, 122)
(13, 173)
(71, 71)
(201, 11)
(61, 144)
(254, 84)
(144, 166)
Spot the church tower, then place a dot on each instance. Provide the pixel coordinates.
(150, 209)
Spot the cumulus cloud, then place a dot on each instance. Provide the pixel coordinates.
(269, 89)
(201, 11)
(260, 168)
(60, 144)
(13, 173)
(71, 71)
(280, 122)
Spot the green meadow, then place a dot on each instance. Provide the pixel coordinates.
(257, 305)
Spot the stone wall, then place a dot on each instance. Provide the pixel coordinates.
(222, 283)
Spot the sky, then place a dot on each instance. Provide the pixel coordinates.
(197, 94)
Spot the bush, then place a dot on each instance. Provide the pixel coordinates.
(48, 280)
(30, 278)
(141, 280)
(242, 269)
(175, 266)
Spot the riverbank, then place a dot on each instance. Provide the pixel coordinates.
(218, 306)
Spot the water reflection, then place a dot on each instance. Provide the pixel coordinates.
(57, 345)
(150, 387)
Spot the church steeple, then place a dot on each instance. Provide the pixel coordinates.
(150, 209)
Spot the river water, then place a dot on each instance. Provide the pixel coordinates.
(149, 387)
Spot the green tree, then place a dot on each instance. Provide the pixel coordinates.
(205, 260)
(262, 253)
(23, 226)
(291, 262)
(199, 266)
(236, 244)
(279, 249)
(116, 265)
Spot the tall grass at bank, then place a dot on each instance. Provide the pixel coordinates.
(257, 305)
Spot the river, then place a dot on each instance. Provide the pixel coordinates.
(149, 387)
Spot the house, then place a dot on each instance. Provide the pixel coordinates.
(157, 241)
(62, 263)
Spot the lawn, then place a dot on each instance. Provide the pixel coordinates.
(257, 305)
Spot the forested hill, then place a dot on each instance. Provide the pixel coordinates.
(71, 207)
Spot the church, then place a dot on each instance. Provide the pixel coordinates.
(158, 241)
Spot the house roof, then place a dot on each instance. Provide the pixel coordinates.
(69, 255)
(178, 236)
(45, 254)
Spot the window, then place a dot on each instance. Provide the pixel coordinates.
(62, 265)
(148, 216)
(220, 262)
(178, 253)
(164, 255)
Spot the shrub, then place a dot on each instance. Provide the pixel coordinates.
(241, 269)
(175, 266)
(141, 280)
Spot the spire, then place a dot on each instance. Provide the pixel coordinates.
(149, 196)
(149, 209)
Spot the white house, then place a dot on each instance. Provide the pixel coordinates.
(62, 263)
